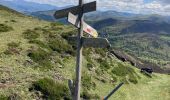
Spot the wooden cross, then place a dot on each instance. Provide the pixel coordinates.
(81, 41)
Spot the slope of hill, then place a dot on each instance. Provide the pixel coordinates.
(36, 61)
(145, 37)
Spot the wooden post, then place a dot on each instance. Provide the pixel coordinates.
(79, 53)
(113, 91)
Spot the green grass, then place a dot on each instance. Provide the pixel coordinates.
(50, 50)
(31, 34)
(41, 57)
(52, 90)
(5, 28)
(13, 48)
(3, 97)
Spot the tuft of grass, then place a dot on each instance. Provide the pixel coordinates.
(5, 28)
(13, 45)
(14, 21)
(123, 71)
(13, 48)
(87, 96)
(87, 82)
(41, 57)
(61, 46)
(31, 34)
(104, 64)
(40, 44)
(2, 97)
(52, 90)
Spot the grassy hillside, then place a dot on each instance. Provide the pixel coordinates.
(147, 39)
(36, 61)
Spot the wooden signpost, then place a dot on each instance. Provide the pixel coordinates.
(76, 10)
(113, 91)
(81, 41)
(91, 42)
(86, 28)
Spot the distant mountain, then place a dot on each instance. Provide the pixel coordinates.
(25, 6)
(145, 36)
(99, 15)
(48, 15)
(45, 15)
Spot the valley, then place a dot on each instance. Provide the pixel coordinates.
(36, 61)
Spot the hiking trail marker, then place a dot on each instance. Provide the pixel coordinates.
(86, 28)
(81, 41)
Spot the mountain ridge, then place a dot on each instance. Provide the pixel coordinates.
(27, 7)
(36, 61)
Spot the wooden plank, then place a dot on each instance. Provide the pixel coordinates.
(91, 42)
(113, 91)
(89, 7)
(86, 28)
(96, 42)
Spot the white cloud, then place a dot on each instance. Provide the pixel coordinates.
(135, 6)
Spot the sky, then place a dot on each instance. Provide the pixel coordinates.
(133, 6)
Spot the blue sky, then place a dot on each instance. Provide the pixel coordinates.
(134, 6)
(148, 1)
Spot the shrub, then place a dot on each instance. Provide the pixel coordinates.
(87, 82)
(87, 96)
(52, 90)
(41, 57)
(102, 52)
(114, 78)
(13, 45)
(13, 21)
(40, 44)
(89, 66)
(104, 64)
(5, 28)
(99, 71)
(65, 35)
(61, 46)
(2, 97)
(31, 34)
(13, 48)
(124, 71)
(133, 79)
(56, 26)
(14, 96)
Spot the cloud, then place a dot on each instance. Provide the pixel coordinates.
(164, 1)
(134, 6)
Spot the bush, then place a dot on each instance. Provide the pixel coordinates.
(52, 90)
(41, 57)
(61, 46)
(87, 96)
(2, 97)
(133, 79)
(89, 66)
(102, 52)
(14, 21)
(87, 82)
(31, 34)
(40, 44)
(13, 48)
(5, 28)
(124, 71)
(14, 96)
(13, 45)
(104, 64)
(66, 35)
